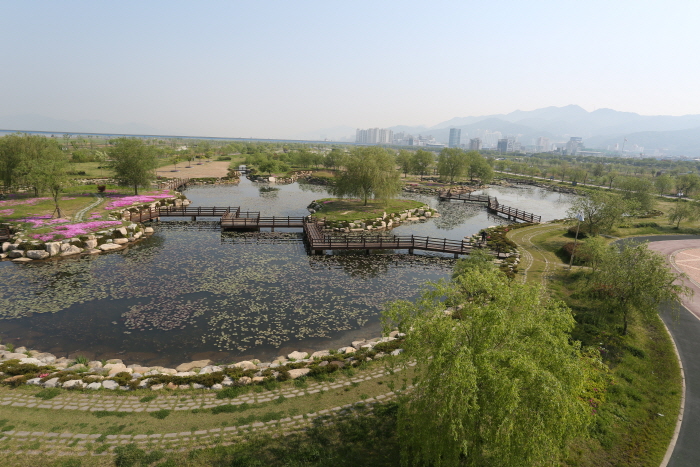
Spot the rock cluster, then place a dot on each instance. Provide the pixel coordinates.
(46, 370)
(385, 222)
(23, 250)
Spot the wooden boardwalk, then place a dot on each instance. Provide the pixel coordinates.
(4, 234)
(232, 218)
(492, 205)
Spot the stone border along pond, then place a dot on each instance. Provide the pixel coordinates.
(23, 366)
(25, 250)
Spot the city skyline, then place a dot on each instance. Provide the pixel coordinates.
(241, 70)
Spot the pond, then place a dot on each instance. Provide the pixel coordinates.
(190, 292)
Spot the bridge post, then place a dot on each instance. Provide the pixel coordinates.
(194, 218)
(456, 255)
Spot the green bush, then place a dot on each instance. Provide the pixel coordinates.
(160, 414)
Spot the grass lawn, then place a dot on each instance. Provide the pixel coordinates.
(340, 209)
(644, 372)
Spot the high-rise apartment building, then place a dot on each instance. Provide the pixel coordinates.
(374, 136)
(543, 144)
(455, 138)
(573, 145)
(506, 145)
(475, 144)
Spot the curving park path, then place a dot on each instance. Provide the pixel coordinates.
(683, 254)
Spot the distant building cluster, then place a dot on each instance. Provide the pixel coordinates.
(374, 136)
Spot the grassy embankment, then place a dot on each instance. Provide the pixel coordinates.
(645, 375)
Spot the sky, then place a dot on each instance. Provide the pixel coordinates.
(275, 69)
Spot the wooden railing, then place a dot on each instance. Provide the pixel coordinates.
(493, 205)
(4, 233)
(257, 222)
(447, 195)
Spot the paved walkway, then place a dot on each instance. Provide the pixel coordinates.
(683, 253)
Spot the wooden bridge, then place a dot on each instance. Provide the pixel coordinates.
(4, 234)
(492, 205)
(232, 218)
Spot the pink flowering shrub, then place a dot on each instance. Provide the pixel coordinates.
(43, 221)
(123, 201)
(7, 212)
(82, 228)
(18, 202)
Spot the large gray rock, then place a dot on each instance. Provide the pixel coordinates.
(5, 246)
(90, 244)
(74, 383)
(246, 365)
(121, 241)
(94, 386)
(51, 383)
(122, 231)
(148, 230)
(15, 254)
(13, 355)
(109, 384)
(70, 250)
(37, 254)
(53, 248)
(320, 354)
(22, 260)
(192, 365)
(110, 246)
(297, 355)
(294, 374)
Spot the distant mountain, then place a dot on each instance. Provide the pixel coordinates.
(31, 122)
(599, 129)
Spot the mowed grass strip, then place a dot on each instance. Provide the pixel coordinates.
(75, 421)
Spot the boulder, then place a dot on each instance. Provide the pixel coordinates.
(358, 344)
(227, 382)
(244, 380)
(320, 354)
(156, 387)
(37, 254)
(120, 241)
(74, 383)
(109, 246)
(22, 260)
(94, 364)
(122, 231)
(5, 246)
(13, 355)
(92, 251)
(109, 384)
(94, 386)
(246, 365)
(294, 374)
(71, 250)
(191, 365)
(138, 235)
(148, 230)
(397, 352)
(51, 383)
(258, 379)
(31, 360)
(15, 254)
(90, 244)
(297, 355)
(217, 387)
(34, 381)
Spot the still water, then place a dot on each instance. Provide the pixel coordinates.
(191, 292)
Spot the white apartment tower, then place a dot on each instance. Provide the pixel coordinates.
(374, 136)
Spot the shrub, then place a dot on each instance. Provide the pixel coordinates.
(48, 393)
(160, 414)
(14, 367)
(231, 393)
(580, 258)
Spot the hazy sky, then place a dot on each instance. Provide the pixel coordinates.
(277, 68)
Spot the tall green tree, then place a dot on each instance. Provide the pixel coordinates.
(421, 161)
(403, 160)
(478, 167)
(452, 163)
(500, 380)
(370, 172)
(133, 162)
(600, 211)
(664, 184)
(48, 172)
(638, 190)
(634, 280)
(16, 150)
(681, 211)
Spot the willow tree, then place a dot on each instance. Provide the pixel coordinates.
(370, 172)
(500, 379)
(133, 162)
(452, 163)
(634, 280)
